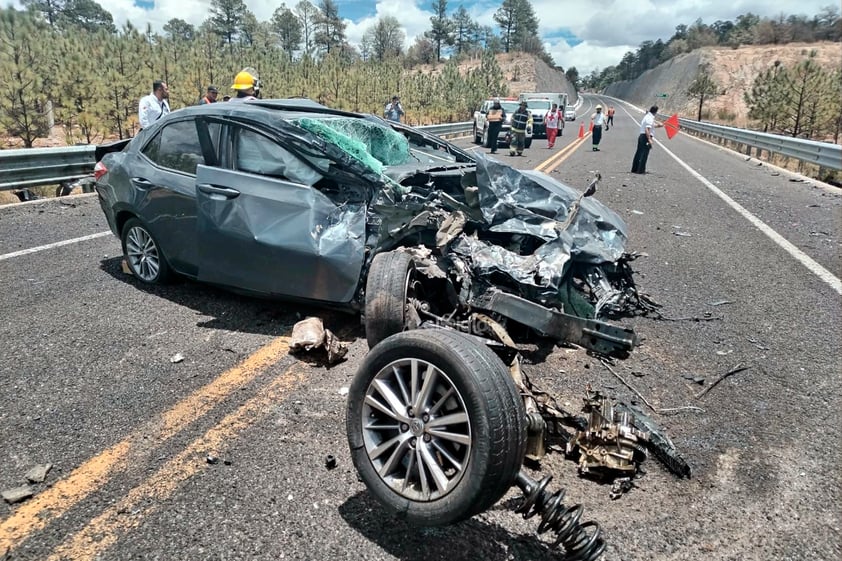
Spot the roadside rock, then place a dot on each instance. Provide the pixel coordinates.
(38, 473)
(18, 494)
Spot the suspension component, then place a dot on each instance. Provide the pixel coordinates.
(579, 541)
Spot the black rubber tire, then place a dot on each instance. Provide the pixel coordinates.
(477, 138)
(495, 409)
(164, 274)
(527, 143)
(385, 295)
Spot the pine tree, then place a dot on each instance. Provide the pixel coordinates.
(226, 19)
(703, 87)
(330, 29)
(287, 27)
(22, 100)
(765, 100)
(50, 9)
(442, 30)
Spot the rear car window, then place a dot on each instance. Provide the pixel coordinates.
(176, 147)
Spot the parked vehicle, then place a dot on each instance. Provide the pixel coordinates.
(510, 105)
(570, 113)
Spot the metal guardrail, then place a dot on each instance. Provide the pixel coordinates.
(32, 167)
(823, 154)
(449, 129)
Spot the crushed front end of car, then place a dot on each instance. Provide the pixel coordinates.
(494, 249)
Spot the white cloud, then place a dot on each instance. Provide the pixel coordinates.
(607, 30)
(415, 20)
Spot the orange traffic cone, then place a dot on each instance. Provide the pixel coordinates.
(590, 129)
(581, 129)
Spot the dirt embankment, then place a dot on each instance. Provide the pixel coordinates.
(733, 69)
(522, 72)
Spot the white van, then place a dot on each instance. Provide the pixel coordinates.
(539, 104)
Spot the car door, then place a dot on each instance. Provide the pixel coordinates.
(265, 226)
(163, 180)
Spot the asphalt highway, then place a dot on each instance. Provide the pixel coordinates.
(222, 455)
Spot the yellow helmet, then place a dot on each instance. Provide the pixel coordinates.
(245, 79)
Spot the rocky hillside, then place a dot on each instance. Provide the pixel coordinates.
(526, 73)
(733, 69)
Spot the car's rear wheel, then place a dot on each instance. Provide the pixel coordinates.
(387, 291)
(143, 254)
(477, 138)
(436, 428)
(485, 140)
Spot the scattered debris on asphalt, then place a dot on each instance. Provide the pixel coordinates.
(735, 370)
(330, 461)
(211, 459)
(17, 494)
(720, 303)
(176, 358)
(310, 334)
(38, 473)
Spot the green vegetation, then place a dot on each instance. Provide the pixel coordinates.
(748, 29)
(702, 88)
(804, 100)
(68, 62)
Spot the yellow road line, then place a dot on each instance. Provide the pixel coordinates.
(556, 159)
(107, 528)
(52, 503)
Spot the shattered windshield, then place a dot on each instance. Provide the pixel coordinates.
(369, 142)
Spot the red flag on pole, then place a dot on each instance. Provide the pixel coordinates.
(672, 126)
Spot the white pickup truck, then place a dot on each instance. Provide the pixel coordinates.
(481, 125)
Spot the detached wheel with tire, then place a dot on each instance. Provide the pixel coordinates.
(387, 291)
(143, 254)
(436, 428)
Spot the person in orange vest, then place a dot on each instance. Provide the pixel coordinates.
(610, 114)
(209, 97)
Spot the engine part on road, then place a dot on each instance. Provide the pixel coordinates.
(578, 541)
(610, 443)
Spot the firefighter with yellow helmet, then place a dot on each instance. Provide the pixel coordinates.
(247, 84)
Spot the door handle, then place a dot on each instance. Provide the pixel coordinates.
(226, 192)
(141, 182)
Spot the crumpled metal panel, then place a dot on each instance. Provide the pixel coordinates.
(529, 202)
(543, 269)
(302, 243)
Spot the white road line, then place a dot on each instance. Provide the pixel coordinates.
(805, 259)
(825, 275)
(52, 245)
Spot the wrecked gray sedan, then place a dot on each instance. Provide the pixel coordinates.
(290, 199)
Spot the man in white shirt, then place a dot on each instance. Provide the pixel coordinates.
(155, 105)
(644, 140)
(597, 120)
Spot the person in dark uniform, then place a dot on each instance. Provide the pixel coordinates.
(496, 116)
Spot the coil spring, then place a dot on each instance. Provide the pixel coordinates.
(578, 542)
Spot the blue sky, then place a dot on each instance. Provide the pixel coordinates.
(586, 35)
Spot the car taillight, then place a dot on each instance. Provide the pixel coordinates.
(99, 170)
